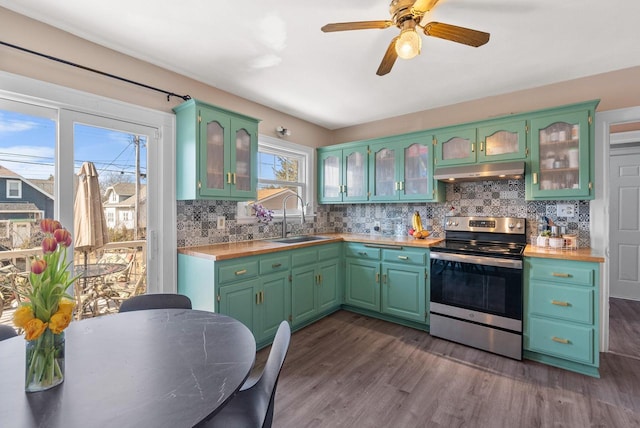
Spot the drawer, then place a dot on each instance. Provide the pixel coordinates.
(329, 251)
(563, 272)
(362, 252)
(558, 301)
(304, 257)
(237, 271)
(571, 342)
(409, 257)
(276, 263)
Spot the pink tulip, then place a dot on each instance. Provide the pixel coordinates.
(62, 236)
(49, 245)
(46, 225)
(38, 266)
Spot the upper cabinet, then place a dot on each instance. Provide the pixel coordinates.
(216, 153)
(562, 145)
(343, 174)
(490, 142)
(401, 169)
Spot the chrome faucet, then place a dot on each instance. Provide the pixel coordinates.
(284, 213)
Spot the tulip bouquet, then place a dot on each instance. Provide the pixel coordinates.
(48, 309)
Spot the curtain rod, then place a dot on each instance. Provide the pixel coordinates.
(93, 70)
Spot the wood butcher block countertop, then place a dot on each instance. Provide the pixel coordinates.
(252, 248)
(580, 254)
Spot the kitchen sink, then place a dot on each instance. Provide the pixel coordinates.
(297, 239)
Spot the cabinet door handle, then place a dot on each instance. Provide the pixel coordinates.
(560, 303)
(258, 298)
(234, 177)
(241, 272)
(403, 257)
(319, 278)
(481, 146)
(344, 188)
(402, 185)
(262, 297)
(276, 265)
(560, 340)
(561, 275)
(228, 178)
(377, 278)
(534, 178)
(397, 187)
(199, 184)
(473, 147)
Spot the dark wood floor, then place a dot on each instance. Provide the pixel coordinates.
(348, 370)
(624, 327)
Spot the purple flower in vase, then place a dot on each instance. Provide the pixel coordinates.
(262, 214)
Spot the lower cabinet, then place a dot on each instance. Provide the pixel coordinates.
(315, 283)
(391, 281)
(561, 313)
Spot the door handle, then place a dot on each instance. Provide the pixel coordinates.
(481, 146)
(473, 147)
(228, 178)
(234, 178)
(377, 278)
(535, 178)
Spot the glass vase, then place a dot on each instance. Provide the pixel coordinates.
(44, 362)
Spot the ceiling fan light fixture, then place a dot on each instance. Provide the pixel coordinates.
(408, 44)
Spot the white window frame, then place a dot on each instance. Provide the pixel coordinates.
(65, 104)
(307, 177)
(9, 183)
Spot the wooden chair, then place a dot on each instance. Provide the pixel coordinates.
(254, 404)
(156, 301)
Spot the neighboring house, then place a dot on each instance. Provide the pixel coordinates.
(120, 206)
(272, 199)
(22, 203)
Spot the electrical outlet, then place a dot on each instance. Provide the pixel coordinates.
(376, 227)
(220, 224)
(565, 210)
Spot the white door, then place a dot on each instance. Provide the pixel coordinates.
(625, 222)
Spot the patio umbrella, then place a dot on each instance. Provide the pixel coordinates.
(89, 225)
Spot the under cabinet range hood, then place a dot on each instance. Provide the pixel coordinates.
(482, 171)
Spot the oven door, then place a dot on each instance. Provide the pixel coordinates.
(486, 290)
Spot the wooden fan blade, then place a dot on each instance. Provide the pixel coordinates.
(457, 34)
(420, 7)
(362, 25)
(389, 58)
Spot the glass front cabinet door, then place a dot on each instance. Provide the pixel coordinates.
(216, 153)
(455, 147)
(343, 175)
(560, 161)
(402, 170)
(502, 141)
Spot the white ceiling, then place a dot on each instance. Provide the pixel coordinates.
(273, 52)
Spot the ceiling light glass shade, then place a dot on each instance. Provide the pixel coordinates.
(408, 44)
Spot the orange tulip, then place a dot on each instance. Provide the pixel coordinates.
(22, 316)
(66, 306)
(34, 328)
(58, 322)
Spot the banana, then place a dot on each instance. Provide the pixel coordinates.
(417, 221)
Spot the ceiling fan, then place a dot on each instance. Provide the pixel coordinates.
(406, 15)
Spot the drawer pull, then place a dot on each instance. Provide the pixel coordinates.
(241, 272)
(560, 340)
(560, 303)
(276, 265)
(362, 253)
(403, 257)
(561, 275)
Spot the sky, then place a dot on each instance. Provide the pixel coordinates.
(27, 147)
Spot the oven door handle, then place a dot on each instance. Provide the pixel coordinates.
(480, 260)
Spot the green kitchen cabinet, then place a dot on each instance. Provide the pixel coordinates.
(391, 281)
(315, 282)
(562, 153)
(216, 153)
(561, 313)
(490, 141)
(401, 169)
(343, 174)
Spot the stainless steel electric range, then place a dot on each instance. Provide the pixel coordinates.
(476, 283)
